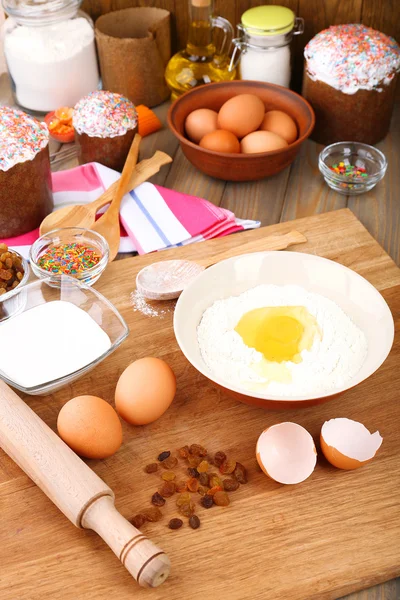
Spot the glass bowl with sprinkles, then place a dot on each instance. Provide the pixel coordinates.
(352, 168)
(79, 253)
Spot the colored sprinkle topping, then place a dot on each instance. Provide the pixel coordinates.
(352, 57)
(104, 114)
(21, 137)
(69, 259)
(348, 170)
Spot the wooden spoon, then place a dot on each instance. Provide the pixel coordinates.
(84, 215)
(166, 280)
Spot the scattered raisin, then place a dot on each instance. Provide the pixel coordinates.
(181, 486)
(214, 480)
(240, 473)
(203, 467)
(175, 523)
(187, 509)
(163, 455)
(204, 478)
(197, 450)
(138, 521)
(219, 458)
(157, 499)
(194, 461)
(207, 501)
(167, 489)
(182, 498)
(193, 472)
(214, 490)
(209, 459)
(152, 514)
(183, 452)
(230, 485)
(221, 499)
(192, 484)
(194, 522)
(168, 476)
(203, 490)
(228, 466)
(169, 463)
(151, 468)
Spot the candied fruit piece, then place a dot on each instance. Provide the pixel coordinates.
(138, 520)
(167, 489)
(194, 522)
(219, 458)
(214, 480)
(207, 501)
(163, 455)
(227, 467)
(183, 452)
(151, 468)
(181, 486)
(152, 514)
(193, 472)
(169, 463)
(168, 476)
(186, 509)
(240, 473)
(194, 461)
(197, 450)
(203, 467)
(182, 498)
(202, 490)
(175, 523)
(230, 485)
(214, 490)
(192, 484)
(221, 498)
(204, 478)
(157, 499)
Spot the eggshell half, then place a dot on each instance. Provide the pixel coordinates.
(286, 453)
(348, 444)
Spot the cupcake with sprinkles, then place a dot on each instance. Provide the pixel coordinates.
(25, 184)
(350, 78)
(105, 124)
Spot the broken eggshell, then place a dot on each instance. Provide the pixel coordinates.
(286, 453)
(348, 444)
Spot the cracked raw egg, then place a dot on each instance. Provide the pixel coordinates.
(348, 444)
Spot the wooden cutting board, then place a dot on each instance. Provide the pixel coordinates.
(335, 533)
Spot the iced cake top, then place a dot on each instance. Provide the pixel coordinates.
(104, 114)
(352, 57)
(21, 137)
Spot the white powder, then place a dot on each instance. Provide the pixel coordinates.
(146, 307)
(49, 341)
(272, 66)
(51, 66)
(329, 364)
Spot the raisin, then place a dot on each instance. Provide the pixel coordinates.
(169, 463)
(181, 486)
(219, 458)
(152, 514)
(202, 490)
(203, 467)
(163, 455)
(193, 472)
(175, 523)
(204, 478)
(183, 452)
(151, 468)
(209, 459)
(221, 499)
(228, 466)
(157, 499)
(240, 473)
(214, 480)
(168, 476)
(186, 509)
(197, 450)
(167, 489)
(183, 498)
(230, 485)
(192, 484)
(138, 521)
(194, 461)
(194, 522)
(214, 490)
(207, 501)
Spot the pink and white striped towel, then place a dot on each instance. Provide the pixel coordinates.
(152, 217)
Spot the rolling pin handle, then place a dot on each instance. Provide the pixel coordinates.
(148, 564)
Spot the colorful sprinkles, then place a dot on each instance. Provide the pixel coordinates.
(69, 259)
(352, 57)
(21, 137)
(348, 170)
(104, 114)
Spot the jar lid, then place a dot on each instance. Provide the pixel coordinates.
(104, 114)
(268, 20)
(21, 137)
(40, 12)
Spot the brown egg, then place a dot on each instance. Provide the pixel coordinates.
(145, 390)
(241, 114)
(280, 123)
(200, 122)
(90, 426)
(262, 141)
(221, 141)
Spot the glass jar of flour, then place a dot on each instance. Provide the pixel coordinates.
(50, 52)
(262, 49)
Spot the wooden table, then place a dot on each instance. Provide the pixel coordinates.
(296, 192)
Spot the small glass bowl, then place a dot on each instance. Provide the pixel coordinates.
(67, 289)
(24, 280)
(366, 157)
(65, 236)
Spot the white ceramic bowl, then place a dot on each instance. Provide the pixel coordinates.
(354, 294)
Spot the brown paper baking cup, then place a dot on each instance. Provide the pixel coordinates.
(134, 46)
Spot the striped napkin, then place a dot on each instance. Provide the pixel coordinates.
(152, 217)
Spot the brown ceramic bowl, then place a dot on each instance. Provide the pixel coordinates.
(240, 167)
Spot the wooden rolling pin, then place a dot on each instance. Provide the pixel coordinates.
(77, 491)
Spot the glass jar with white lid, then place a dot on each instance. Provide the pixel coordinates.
(262, 49)
(49, 46)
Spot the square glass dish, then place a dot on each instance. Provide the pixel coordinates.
(55, 333)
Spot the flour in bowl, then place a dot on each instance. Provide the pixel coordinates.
(335, 354)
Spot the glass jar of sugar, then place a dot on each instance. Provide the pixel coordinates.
(50, 53)
(262, 49)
